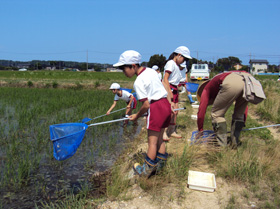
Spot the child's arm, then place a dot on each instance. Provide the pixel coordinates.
(165, 83)
(186, 78)
(129, 104)
(112, 107)
(144, 108)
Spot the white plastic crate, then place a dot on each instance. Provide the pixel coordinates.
(195, 106)
(194, 117)
(202, 181)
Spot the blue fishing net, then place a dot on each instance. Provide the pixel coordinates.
(66, 139)
(135, 95)
(206, 136)
(128, 90)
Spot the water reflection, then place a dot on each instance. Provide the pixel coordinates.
(54, 179)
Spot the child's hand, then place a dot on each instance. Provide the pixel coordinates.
(172, 106)
(108, 113)
(199, 135)
(132, 117)
(128, 106)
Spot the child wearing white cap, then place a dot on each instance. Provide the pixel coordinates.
(123, 95)
(171, 80)
(157, 69)
(153, 96)
(184, 80)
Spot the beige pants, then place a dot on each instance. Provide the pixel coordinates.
(231, 90)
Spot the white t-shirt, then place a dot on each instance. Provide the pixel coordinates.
(125, 96)
(148, 86)
(159, 76)
(183, 74)
(174, 70)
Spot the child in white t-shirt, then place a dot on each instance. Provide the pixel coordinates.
(171, 80)
(123, 95)
(153, 96)
(156, 68)
(184, 80)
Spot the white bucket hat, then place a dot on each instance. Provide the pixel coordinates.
(183, 51)
(129, 57)
(155, 67)
(115, 86)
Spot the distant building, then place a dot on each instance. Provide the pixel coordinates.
(22, 69)
(113, 70)
(258, 66)
(50, 68)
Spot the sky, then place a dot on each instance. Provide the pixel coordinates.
(99, 31)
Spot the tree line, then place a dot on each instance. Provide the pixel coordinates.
(222, 64)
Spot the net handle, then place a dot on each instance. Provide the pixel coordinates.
(110, 113)
(110, 121)
(122, 119)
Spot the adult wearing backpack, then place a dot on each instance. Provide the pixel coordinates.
(221, 91)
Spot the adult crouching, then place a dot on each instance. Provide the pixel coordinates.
(221, 91)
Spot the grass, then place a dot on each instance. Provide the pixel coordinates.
(63, 79)
(255, 164)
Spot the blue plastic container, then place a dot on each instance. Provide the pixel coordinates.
(192, 87)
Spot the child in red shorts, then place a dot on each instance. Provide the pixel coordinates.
(153, 96)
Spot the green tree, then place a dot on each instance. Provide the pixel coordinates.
(227, 63)
(158, 60)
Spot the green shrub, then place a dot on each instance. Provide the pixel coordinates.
(30, 84)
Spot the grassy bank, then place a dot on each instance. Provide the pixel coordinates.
(254, 167)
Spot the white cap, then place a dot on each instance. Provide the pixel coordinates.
(155, 67)
(115, 86)
(183, 51)
(183, 64)
(129, 57)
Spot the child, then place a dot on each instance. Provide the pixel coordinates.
(171, 79)
(156, 68)
(152, 94)
(184, 80)
(124, 95)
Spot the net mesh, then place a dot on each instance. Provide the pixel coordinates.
(66, 139)
(207, 135)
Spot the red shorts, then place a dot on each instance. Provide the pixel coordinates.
(159, 115)
(133, 103)
(175, 93)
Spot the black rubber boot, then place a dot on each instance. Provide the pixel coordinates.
(221, 133)
(236, 127)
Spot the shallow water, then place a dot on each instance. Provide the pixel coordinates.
(54, 179)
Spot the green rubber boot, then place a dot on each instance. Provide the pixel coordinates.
(221, 133)
(236, 127)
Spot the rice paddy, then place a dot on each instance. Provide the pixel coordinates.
(29, 174)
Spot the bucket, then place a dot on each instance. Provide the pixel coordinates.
(192, 87)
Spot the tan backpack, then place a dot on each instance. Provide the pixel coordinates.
(253, 91)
